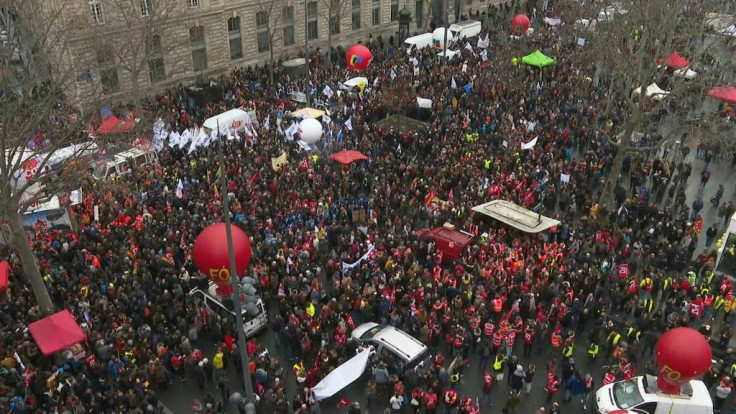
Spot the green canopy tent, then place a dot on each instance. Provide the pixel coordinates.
(539, 60)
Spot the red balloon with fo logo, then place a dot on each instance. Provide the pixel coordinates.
(683, 354)
(211, 255)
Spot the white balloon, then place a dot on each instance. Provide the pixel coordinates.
(310, 130)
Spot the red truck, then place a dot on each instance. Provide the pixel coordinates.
(449, 241)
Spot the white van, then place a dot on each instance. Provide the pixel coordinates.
(632, 397)
(122, 163)
(385, 338)
(467, 28)
(417, 42)
(254, 315)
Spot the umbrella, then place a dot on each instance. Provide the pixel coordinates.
(538, 59)
(347, 156)
(675, 61)
(724, 93)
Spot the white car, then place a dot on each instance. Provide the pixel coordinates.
(386, 338)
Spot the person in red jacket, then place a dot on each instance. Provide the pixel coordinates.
(528, 340)
(553, 385)
(430, 401)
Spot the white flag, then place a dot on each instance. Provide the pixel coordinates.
(483, 43)
(327, 91)
(375, 82)
(453, 85)
(349, 124)
(180, 189)
(174, 139)
(469, 47)
(393, 75)
(326, 119)
(267, 123)
(484, 55)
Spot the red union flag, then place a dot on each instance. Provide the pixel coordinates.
(623, 270)
(598, 236)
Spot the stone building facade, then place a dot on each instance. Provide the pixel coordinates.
(124, 47)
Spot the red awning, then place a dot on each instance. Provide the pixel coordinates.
(724, 93)
(348, 156)
(56, 332)
(675, 61)
(4, 275)
(114, 125)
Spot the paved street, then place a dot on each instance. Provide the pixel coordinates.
(179, 395)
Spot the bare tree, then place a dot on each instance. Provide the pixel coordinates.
(629, 49)
(35, 122)
(333, 12)
(269, 17)
(135, 39)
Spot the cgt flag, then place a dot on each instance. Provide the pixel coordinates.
(623, 271)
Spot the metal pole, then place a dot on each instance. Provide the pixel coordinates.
(446, 25)
(306, 47)
(250, 407)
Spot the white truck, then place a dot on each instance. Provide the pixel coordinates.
(466, 28)
(640, 396)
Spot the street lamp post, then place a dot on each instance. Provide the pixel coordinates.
(250, 407)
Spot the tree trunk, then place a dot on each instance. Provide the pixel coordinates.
(623, 148)
(136, 94)
(30, 266)
(270, 49)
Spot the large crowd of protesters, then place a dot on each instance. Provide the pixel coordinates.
(125, 276)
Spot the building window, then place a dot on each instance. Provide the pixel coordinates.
(108, 71)
(236, 42)
(156, 69)
(146, 8)
(335, 16)
(312, 29)
(193, 4)
(356, 14)
(95, 7)
(262, 31)
(376, 12)
(287, 16)
(419, 9)
(395, 10)
(199, 51)
(156, 59)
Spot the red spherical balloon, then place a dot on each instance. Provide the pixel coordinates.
(359, 57)
(683, 354)
(211, 255)
(520, 24)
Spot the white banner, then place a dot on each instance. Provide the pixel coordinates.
(530, 144)
(342, 376)
(346, 267)
(424, 103)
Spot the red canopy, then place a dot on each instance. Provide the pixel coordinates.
(4, 274)
(675, 61)
(56, 332)
(347, 156)
(724, 93)
(114, 125)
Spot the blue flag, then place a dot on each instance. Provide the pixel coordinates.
(467, 89)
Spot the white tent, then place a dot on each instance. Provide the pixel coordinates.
(653, 91)
(235, 119)
(686, 73)
(357, 82)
